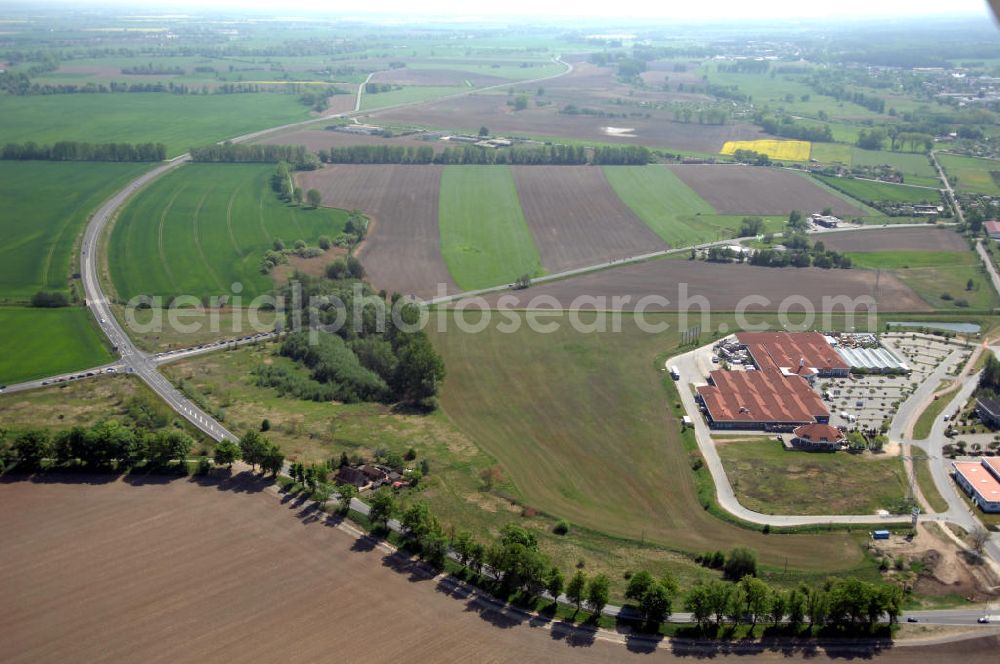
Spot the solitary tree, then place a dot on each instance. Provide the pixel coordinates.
(741, 562)
(483, 132)
(979, 537)
(576, 588)
(382, 507)
(346, 493)
(226, 453)
(554, 583)
(314, 197)
(597, 594)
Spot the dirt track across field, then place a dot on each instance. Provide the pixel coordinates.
(903, 239)
(402, 252)
(724, 286)
(172, 570)
(756, 190)
(577, 219)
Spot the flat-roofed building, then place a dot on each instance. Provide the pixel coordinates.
(977, 480)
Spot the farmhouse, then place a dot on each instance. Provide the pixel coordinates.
(803, 353)
(992, 229)
(765, 399)
(980, 481)
(988, 411)
(363, 477)
(359, 129)
(825, 220)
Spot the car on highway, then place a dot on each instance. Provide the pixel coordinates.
(110, 370)
(911, 619)
(985, 620)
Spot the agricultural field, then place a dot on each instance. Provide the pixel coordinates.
(42, 342)
(670, 208)
(577, 219)
(869, 191)
(725, 287)
(179, 121)
(469, 112)
(485, 240)
(409, 94)
(732, 189)
(402, 252)
(936, 263)
(46, 205)
(896, 239)
(607, 454)
(972, 174)
(775, 149)
(770, 480)
(204, 227)
(915, 167)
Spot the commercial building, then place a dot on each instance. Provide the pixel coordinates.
(981, 481)
(803, 353)
(818, 437)
(988, 411)
(873, 359)
(766, 400)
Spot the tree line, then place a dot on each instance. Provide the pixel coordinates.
(512, 566)
(108, 445)
(787, 128)
(229, 152)
(555, 155)
(79, 151)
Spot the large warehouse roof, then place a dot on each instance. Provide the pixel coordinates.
(761, 396)
(872, 358)
(789, 349)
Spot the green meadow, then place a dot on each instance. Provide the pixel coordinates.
(972, 174)
(203, 227)
(485, 240)
(179, 121)
(43, 342)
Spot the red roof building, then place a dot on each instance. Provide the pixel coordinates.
(992, 229)
(818, 436)
(795, 352)
(762, 399)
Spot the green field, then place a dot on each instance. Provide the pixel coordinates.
(933, 274)
(179, 121)
(203, 227)
(672, 209)
(867, 190)
(485, 240)
(770, 480)
(902, 260)
(45, 207)
(973, 174)
(42, 342)
(409, 94)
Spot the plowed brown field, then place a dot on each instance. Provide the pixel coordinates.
(577, 219)
(170, 571)
(402, 253)
(724, 286)
(752, 190)
(902, 239)
(470, 112)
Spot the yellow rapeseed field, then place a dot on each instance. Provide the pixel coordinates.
(782, 150)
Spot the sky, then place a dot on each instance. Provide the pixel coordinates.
(686, 10)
